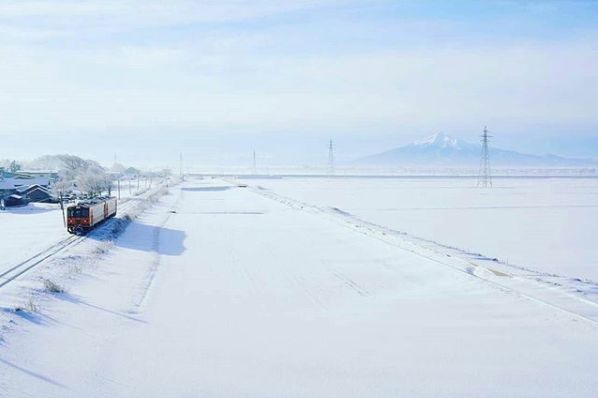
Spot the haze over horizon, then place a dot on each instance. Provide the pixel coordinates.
(218, 79)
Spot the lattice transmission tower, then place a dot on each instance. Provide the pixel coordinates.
(331, 158)
(254, 165)
(485, 174)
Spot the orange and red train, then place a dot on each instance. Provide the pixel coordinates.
(85, 215)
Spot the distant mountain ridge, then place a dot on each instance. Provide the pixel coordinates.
(444, 150)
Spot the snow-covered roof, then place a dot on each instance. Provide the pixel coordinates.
(32, 188)
(21, 184)
(38, 171)
(13, 183)
(6, 184)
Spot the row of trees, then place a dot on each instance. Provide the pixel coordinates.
(75, 173)
(10, 165)
(82, 175)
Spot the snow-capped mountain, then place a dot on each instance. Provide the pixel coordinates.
(443, 150)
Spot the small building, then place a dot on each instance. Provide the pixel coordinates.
(7, 187)
(36, 193)
(14, 200)
(45, 176)
(21, 187)
(18, 182)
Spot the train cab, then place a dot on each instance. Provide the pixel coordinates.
(85, 215)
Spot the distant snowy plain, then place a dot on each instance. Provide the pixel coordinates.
(546, 224)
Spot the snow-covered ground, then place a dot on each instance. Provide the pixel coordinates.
(28, 230)
(226, 291)
(546, 224)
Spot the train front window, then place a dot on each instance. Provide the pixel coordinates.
(79, 212)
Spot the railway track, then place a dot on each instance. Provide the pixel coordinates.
(9, 275)
(19, 269)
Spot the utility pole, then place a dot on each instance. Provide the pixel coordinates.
(254, 168)
(485, 176)
(118, 184)
(331, 158)
(108, 186)
(62, 208)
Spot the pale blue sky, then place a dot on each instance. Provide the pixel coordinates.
(218, 78)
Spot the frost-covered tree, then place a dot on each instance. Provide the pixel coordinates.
(14, 166)
(93, 180)
(132, 171)
(87, 175)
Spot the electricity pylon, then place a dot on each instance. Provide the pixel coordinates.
(254, 166)
(485, 175)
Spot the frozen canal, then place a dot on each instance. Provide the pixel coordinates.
(546, 224)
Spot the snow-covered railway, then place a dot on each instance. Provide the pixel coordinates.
(19, 269)
(13, 272)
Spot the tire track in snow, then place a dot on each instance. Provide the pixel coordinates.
(352, 284)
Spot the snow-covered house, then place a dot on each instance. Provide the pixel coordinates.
(8, 194)
(13, 200)
(27, 189)
(14, 182)
(7, 187)
(36, 193)
(48, 176)
(26, 186)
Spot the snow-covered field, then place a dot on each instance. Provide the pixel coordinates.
(226, 291)
(546, 224)
(28, 230)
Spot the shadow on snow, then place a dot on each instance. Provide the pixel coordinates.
(31, 373)
(79, 301)
(143, 237)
